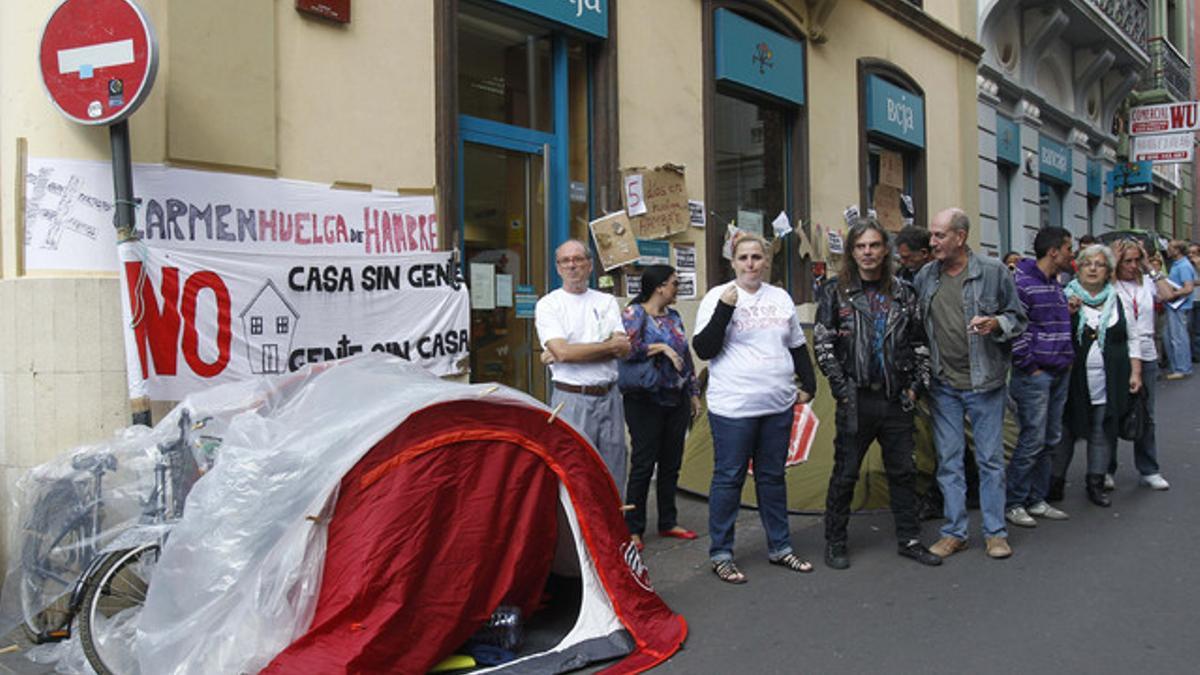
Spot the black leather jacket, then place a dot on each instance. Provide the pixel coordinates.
(843, 340)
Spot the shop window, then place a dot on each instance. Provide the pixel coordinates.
(755, 138)
(525, 91)
(504, 69)
(892, 145)
(1004, 207)
(1050, 204)
(750, 158)
(1093, 214)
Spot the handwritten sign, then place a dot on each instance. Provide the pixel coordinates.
(664, 198)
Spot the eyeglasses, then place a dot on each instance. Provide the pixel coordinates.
(1095, 263)
(573, 260)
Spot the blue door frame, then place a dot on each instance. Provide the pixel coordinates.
(521, 139)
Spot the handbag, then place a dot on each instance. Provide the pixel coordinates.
(1133, 423)
(638, 375)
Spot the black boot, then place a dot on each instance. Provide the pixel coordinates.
(1057, 485)
(1095, 490)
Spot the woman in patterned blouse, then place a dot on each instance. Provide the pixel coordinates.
(658, 384)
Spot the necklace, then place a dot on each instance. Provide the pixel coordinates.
(1123, 290)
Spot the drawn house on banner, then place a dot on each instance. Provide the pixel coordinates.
(268, 322)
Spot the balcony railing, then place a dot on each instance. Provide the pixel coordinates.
(1131, 16)
(1168, 70)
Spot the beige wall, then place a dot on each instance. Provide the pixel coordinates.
(661, 83)
(356, 102)
(857, 31)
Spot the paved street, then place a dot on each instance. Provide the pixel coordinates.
(1109, 591)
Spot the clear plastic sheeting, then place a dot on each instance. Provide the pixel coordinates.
(104, 497)
(67, 513)
(238, 578)
(66, 657)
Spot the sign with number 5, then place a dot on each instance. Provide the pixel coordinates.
(635, 199)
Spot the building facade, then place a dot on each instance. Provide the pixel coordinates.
(1056, 84)
(520, 116)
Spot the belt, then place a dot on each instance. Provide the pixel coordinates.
(587, 389)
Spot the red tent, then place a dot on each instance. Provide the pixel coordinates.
(465, 506)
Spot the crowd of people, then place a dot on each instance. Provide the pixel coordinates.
(1068, 340)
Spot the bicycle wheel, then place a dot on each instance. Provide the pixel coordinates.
(50, 566)
(112, 601)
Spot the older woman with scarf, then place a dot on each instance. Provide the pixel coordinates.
(661, 397)
(1106, 369)
(1138, 287)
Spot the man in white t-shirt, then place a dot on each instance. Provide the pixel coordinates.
(581, 331)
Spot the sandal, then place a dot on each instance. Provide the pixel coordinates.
(728, 572)
(793, 563)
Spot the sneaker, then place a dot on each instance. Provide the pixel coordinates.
(914, 550)
(948, 546)
(997, 547)
(1174, 376)
(1044, 510)
(1155, 481)
(835, 555)
(1109, 483)
(1017, 516)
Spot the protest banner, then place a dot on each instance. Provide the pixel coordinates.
(69, 215)
(196, 318)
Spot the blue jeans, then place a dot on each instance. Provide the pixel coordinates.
(1195, 327)
(986, 411)
(1178, 341)
(1040, 401)
(1145, 449)
(736, 441)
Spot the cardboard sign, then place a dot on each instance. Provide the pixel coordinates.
(887, 207)
(805, 247)
(665, 202)
(615, 242)
(891, 169)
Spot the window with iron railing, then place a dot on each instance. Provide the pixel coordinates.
(1131, 16)
(1168, 70)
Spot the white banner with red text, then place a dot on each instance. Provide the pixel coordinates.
(195, 318)
(69, 215)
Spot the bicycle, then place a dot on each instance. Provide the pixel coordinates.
(110, 585)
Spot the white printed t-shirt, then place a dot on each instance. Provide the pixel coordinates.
(753, 374)
(590, 316)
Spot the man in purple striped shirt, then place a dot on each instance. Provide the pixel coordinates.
(1041, 359)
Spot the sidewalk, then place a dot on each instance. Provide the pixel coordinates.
(1108, 591)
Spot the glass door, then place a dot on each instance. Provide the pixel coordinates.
(504, 245)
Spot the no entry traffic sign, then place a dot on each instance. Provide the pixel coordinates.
(98, 59)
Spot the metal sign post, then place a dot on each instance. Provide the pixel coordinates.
(98, 62)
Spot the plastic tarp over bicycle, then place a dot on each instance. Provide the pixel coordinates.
(99, 498)
(370, 517)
